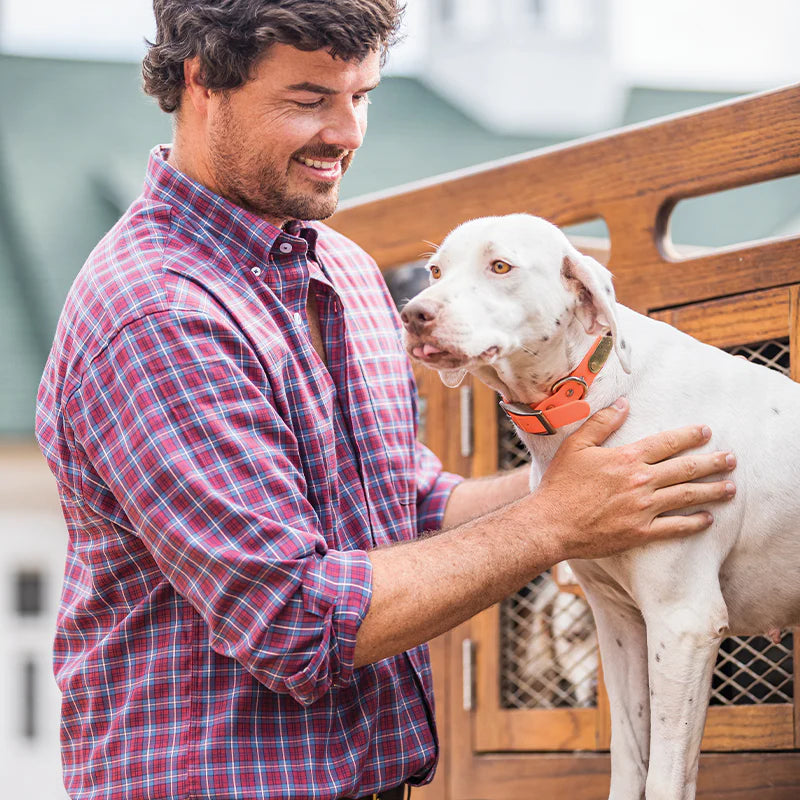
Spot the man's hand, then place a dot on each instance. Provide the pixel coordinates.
(601, 500)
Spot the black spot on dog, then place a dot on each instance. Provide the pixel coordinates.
(776, 411)
(691, 699)
(663, 717)
(662, 645)
(608, 290)
(558, 321)
(619, 642)
(658, 658)
(652, 693)
(641, 710)
(622, 344)
(545, 338)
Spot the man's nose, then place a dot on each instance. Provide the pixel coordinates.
(345, 128)
(419, 315)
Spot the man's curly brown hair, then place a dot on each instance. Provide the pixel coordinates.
(230, 36)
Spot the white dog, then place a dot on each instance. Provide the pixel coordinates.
(514, 303)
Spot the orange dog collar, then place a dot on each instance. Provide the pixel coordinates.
(565, 403)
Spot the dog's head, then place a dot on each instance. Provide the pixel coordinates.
(504, 293)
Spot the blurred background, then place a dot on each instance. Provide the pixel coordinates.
(473, 81)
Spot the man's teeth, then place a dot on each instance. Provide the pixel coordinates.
(309, 162)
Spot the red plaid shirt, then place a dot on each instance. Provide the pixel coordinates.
(221, 487)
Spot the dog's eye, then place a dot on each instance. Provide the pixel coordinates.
(436, 272)
(500, 267)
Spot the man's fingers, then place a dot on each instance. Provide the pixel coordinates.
(666, 444)
(601, 425)
(680, 525)
(674, 498)
(689, 468)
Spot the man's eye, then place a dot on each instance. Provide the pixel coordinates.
(362, 99)
(315, 104)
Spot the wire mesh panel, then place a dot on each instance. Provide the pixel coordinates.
(548, 641)
(549, 649)
(754, 669)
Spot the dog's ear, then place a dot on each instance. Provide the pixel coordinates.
(452, 377)
(591, 283)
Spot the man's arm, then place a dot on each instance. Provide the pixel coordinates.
(475, 497)
(592, 502)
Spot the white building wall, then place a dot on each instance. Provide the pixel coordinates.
(33, 538)
(724, 45)
(522, 66)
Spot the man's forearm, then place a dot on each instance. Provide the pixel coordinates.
(478, 496)
(424, 588)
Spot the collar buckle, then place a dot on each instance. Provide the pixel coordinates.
(515, 410)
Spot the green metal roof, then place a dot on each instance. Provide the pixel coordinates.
(74, 140)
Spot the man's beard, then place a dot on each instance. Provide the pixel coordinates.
(261, 186)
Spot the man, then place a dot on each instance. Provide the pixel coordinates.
(230, 416)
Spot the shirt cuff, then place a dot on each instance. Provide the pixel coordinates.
(430, 511)
(338, 588)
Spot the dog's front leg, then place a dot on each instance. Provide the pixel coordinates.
(683, 642)
(623, 647)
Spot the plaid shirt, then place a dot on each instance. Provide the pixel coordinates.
(221, 487)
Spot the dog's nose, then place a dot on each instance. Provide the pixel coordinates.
(420, 314)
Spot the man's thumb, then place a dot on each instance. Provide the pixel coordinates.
(602, 424)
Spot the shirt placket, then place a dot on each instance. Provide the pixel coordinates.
(346, 376)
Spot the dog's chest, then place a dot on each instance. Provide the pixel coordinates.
(542, 449)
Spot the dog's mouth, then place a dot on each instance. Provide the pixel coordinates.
(434, 355)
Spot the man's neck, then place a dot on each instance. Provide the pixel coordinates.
(191, 162)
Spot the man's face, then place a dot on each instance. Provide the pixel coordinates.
(279, 144)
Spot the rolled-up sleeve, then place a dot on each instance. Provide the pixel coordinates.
(182, 434)
(433, 489)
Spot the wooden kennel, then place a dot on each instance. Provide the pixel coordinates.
(745, 298)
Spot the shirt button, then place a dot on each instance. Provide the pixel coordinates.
(256, 271)
(285, 247)
(297, 318)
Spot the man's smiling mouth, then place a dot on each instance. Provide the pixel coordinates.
(324, 168)
(317, 163)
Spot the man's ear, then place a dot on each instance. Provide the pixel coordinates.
(194, 88)
(596, 308)
(452, 377)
